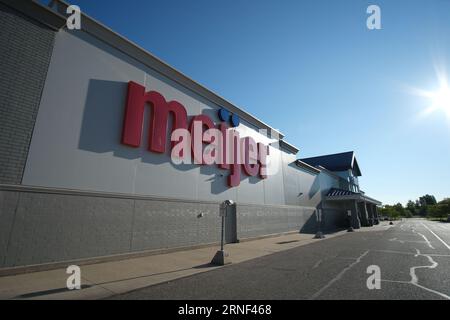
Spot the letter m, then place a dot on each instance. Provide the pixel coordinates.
(133, 123)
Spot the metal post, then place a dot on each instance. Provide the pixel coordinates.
(221, 257)
(223, 233)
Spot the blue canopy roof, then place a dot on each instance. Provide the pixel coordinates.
(336, 162)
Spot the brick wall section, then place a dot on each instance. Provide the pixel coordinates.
(25, 51)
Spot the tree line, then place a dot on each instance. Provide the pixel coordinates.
(426, 206)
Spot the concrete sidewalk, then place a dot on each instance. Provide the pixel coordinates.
(106, 279)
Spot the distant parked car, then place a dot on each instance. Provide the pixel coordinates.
(448, 218)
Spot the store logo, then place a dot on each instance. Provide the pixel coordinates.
(226, 116)
(199, 141)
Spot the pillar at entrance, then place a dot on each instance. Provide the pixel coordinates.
(370, 213)
(363, 214)
(377, 218)
(356, 223)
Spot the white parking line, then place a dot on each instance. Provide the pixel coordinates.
(339, 276)
(425, 238)
(415, 279)
(403, 241)
(448, 247)
(412, 253)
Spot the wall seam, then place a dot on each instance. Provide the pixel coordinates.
(12, 229)
(38, 107)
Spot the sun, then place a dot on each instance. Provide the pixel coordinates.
(440, 99)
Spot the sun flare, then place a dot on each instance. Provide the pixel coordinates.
(439, 99)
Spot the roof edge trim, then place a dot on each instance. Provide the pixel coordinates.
(38, 12)
(306, 166)
(107, 35)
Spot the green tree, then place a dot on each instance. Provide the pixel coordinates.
(411, 207)
(390, 212)
(427, 200)
(399, 208)
(436, 211)
(407, 214)
(446, 204)
(424, 206)
(424, 203)
(441, 210)
(417, 205)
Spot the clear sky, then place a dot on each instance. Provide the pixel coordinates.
(312, 69)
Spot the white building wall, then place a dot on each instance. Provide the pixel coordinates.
(76, 140)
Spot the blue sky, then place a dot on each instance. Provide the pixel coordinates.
(312, 69)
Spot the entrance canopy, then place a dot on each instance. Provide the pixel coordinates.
(335, 194)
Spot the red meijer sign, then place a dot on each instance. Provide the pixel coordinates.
(222, 145)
